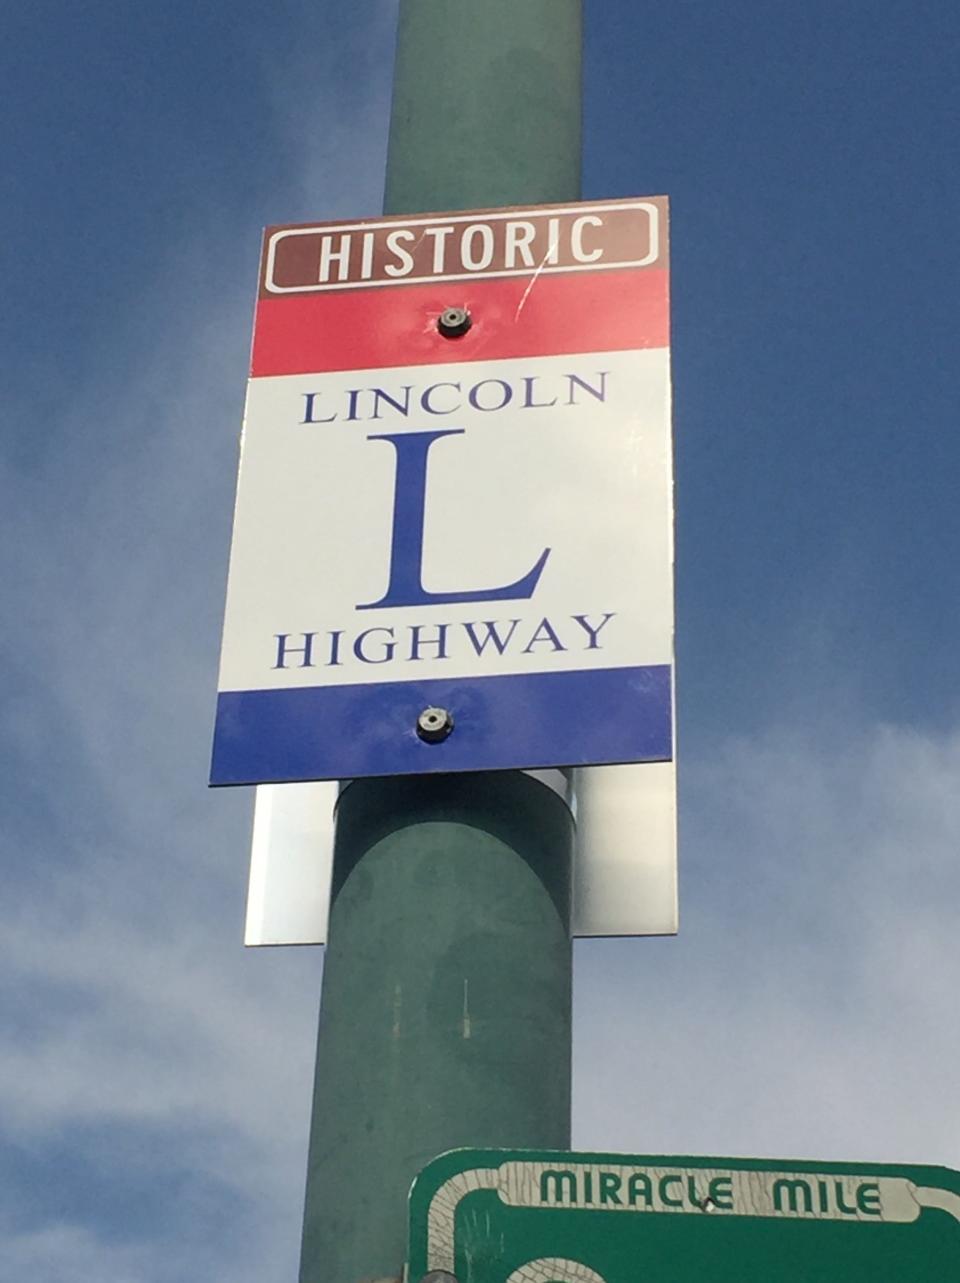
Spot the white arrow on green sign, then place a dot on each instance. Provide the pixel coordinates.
(514, 1216)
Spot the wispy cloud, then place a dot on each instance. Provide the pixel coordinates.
(146, 1055)
(125, 988)
(808, 1006)
(150, 1063)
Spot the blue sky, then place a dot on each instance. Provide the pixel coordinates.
(149, 1130)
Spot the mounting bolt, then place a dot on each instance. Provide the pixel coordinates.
(453, 322)
(434, 725)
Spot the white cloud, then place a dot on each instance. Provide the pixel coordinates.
(123, 971)
(133, 1009)
(808, 1006)
(67, 1254)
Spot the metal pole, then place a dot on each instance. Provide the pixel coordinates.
(445, 1017)
(486, 105)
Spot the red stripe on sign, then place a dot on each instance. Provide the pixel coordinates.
(549, 315)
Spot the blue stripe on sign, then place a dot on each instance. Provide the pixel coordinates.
(590, 718)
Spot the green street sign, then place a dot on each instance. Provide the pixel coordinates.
(517, 1216)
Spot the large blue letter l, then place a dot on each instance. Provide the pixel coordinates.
(406, 552)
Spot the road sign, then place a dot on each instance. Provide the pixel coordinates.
(500, 1216)
(452, 545)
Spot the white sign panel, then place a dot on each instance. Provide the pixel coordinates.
(291, 864)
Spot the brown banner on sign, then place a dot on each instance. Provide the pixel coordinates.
(461, 246)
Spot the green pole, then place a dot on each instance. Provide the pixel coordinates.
(486, 105)
(445, 1016)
